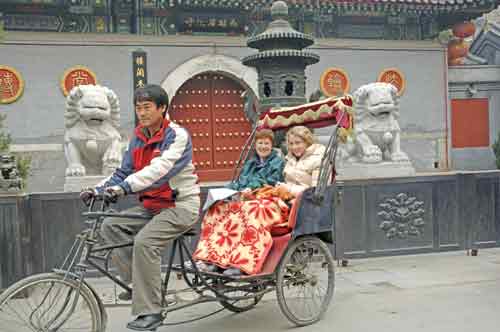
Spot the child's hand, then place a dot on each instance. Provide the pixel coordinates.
(246, 193)
(281, 186)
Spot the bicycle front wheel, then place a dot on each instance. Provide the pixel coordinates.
(48, 302)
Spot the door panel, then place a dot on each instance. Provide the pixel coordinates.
(210, 107)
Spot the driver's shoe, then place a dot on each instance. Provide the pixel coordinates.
(146, 322)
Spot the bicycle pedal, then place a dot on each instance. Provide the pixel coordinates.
(169, 301)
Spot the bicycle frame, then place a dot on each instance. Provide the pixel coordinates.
(83, 254)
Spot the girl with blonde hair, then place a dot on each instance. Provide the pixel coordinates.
(303, 160)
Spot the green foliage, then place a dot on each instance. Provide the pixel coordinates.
(23, 164)
(5, 138)
(496, 150)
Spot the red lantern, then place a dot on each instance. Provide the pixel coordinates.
(457, 49)
(464, 29)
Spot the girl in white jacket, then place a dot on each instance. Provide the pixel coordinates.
(303, 160)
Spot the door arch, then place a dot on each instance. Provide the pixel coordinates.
(210, 107)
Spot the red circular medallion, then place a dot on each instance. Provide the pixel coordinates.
(394, 77)
(77, 76)
(11, 85)
(334, 82)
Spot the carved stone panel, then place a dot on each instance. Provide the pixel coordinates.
(401, 216)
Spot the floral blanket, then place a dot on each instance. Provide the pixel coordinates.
(237, 233)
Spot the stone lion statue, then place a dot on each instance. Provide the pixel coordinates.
(92, 143)
(376, 128)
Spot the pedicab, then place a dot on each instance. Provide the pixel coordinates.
(299, 266)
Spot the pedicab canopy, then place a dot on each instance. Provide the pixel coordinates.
(323, 113)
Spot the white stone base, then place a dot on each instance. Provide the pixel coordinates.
(349, 171)
(77, 183)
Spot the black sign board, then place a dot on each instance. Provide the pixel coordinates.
(211, 22)
(139, 70)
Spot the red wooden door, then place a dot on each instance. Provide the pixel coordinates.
(470, 126)
(210, 107)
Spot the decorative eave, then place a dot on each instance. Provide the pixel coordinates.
(307, 57)
(289, 35)
(328, 6)
(372, 4)
(331, 6)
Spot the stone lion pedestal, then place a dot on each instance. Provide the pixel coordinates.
(92, 142)
(374, 150)
(380, 170)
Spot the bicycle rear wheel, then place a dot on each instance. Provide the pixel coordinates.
(305, 281)
(48, 302)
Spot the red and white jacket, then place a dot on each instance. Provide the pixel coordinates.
(159, 169)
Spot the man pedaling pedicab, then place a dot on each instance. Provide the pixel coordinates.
(237, 235)
(158, 167)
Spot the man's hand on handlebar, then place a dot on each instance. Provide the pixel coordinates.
(112, 193)
(87, 194)
(108, 194)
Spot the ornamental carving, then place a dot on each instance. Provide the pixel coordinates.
(92, 142)
(376, 127)
(9, 176)
(402, 216)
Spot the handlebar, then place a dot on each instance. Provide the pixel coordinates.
(97, 214)
(105, 197)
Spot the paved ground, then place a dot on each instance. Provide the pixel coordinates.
(433, 292)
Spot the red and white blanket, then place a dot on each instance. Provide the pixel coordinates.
(237, 234)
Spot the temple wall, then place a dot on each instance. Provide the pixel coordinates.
(473, 83)
(36, 120)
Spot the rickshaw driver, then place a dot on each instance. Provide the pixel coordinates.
(158, 167)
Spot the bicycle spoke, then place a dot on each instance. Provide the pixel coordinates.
(308, 282)
(21, 319)
(48, 305)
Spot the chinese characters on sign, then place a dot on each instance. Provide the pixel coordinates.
(77, 76)
(139, 67)
(394, 77)
(334, 82)
(212, 22)
(11, 85)
(139, 71)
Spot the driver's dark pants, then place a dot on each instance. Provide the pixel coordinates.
(140, 264)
